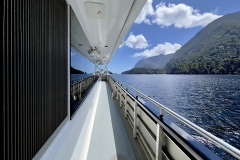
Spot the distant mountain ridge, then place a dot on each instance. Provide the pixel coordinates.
(144, 71)
(154, 62)
(213, 50)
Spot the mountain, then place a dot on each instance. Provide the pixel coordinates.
(109, 72)
(213, 50)
(154, 62)
(144, 71)
(75, 71)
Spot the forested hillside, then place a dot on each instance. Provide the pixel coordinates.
(213, 50)
(154, 62)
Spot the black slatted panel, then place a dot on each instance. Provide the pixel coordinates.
(35, 74)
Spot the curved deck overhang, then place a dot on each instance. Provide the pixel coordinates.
(104, 23)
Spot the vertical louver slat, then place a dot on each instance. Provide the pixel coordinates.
(35, 74)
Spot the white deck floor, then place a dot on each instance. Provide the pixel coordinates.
(109, 139)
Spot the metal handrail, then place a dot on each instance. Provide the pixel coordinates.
(76, 80)
(217, 141)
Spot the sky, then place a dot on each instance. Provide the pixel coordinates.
(162, 27)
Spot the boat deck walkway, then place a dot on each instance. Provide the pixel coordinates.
(109, 138)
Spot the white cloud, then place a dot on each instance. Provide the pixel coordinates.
(72, 54)
(146, 11)
(181, 16)
(136, 42)
(216, 10)
(166, 48)
(121, 45)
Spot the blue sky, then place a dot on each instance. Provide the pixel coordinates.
(162, 27)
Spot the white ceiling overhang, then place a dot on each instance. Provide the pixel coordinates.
(105, 23)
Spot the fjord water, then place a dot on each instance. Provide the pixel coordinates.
(79, 76)
(210, 101)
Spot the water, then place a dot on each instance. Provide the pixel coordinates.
(210, 101)
(75, 77)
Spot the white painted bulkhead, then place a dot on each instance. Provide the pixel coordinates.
(71, 139)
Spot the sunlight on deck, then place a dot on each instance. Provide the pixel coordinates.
(109, 139)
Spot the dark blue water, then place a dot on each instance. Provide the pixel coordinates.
(210, 101)
(75, 77)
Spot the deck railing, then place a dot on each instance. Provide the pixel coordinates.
(132, 107)
(78, 85)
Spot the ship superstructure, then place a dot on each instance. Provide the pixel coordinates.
(46, 116)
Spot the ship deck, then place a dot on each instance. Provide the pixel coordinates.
(99, 131)
(109, 138)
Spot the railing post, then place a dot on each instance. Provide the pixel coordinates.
(161, 114)
(159, 142)
(125, 103)
(74, 92)
(71, 91)
(135, 118)
(115, 89)
(119, 94)
(159, 139)
(80, 90)
(120, 98)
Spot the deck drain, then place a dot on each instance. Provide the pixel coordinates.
(118, 156)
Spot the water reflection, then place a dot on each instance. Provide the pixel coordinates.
(81, 68)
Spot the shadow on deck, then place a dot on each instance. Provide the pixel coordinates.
(110, 138)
